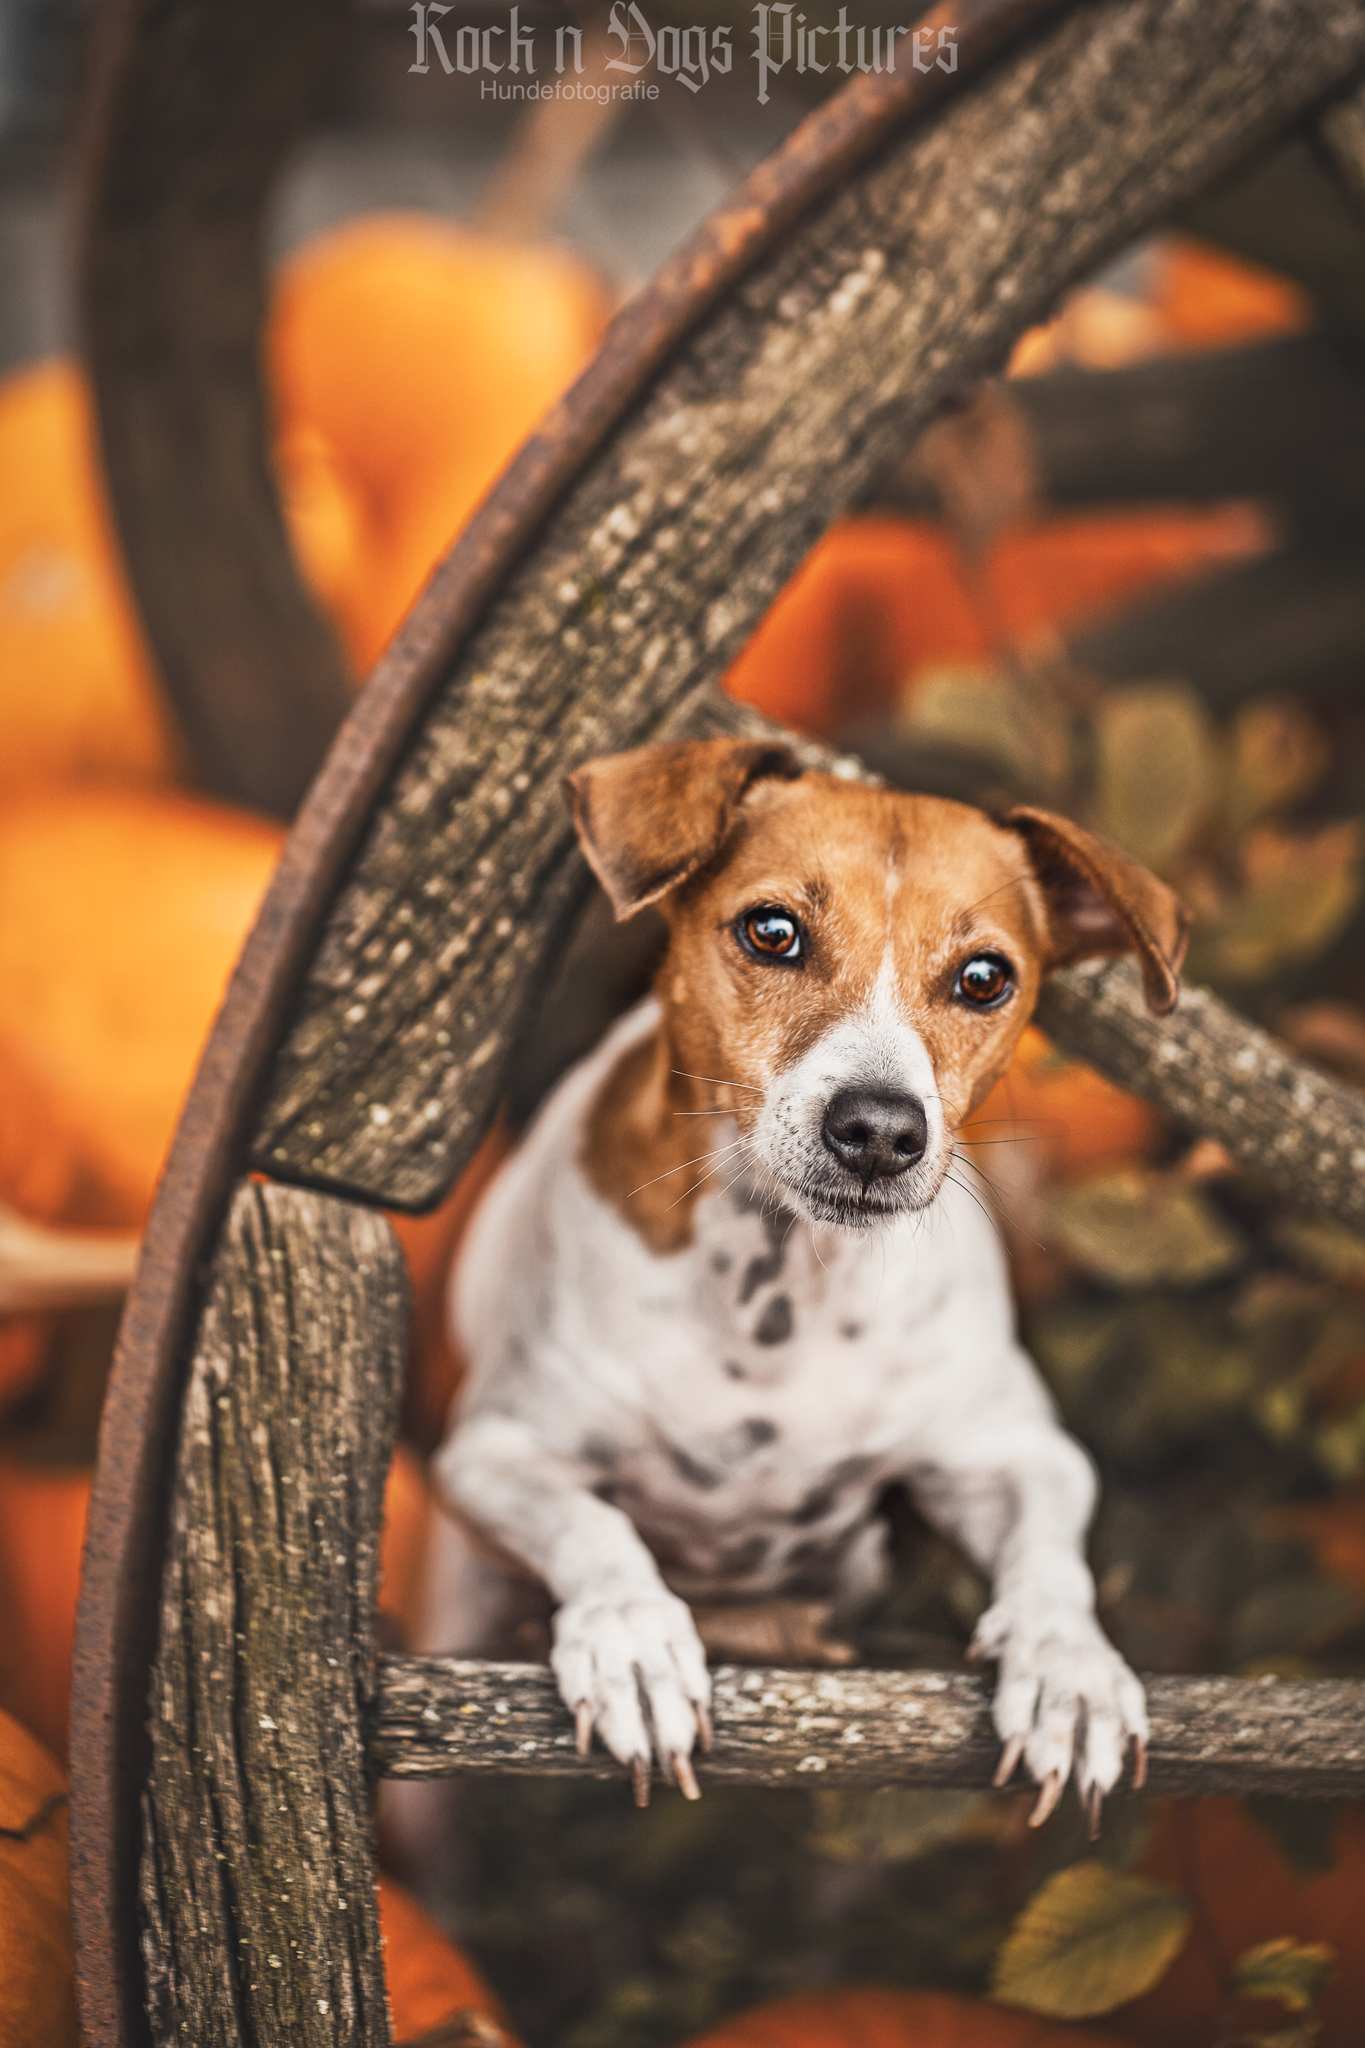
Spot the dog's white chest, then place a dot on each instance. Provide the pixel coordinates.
(743, 1401)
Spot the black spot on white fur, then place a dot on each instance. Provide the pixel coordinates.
(733, 1369)
(723, 1453)
(693, 1471)
(775, 1323)
(760, 1271)
(852, 1331)
(820, 1501)
(721, 1262)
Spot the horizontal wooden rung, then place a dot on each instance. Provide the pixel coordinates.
(1301, 1738)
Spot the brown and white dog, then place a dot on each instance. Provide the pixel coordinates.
(728, 1289)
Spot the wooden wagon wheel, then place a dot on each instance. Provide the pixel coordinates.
(891, 251)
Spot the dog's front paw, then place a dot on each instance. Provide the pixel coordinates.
(619, 1653)
(1064, 1696)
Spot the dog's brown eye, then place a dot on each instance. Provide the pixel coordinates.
(772, 933)
(985, 981)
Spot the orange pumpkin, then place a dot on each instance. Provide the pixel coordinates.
(893, 2019)
(1245, 1893)
(1208, 298)
(417, 356)
(78, 697)
(880, 598)
(42, 1530)
(1075, 1118)
(429, 1979)
(121, 914)
(37, 1972)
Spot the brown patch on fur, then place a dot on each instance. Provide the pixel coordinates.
(642, 1158)
(648, 819)
(874, 876)
(1101, 901)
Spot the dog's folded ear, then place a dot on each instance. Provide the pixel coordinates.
(648, 819)
(1100, 900)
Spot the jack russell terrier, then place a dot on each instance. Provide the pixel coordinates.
(728, 1289)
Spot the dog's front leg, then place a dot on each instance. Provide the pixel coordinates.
(623, 1644)
(1017, 1494)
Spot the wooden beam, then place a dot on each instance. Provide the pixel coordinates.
(1300, 1738)
(1283, 420)
(257, 1882)
(911, 280)
(189, 113)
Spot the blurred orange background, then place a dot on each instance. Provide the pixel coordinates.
(406, 362)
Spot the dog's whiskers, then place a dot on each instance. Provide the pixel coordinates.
(951, 1176)
(682, 1164)
(1050, 1123)
(716, 1081)
(1007, 1206)
(707, 1175)
(1034, 1138)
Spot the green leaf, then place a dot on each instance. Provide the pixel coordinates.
(1276, 753)
(1090, 1939)
(1154, 763)
(981, 711)
(1135, 1229)
(1293, 1973)
(1320, 1244)
(1298, 890)
(897, 1825)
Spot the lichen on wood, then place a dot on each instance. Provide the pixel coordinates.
(1299, 1131)
(1301, 1738)
(914, 278)
(260, 1923)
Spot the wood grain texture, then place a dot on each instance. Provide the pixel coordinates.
(189, 112)
(1300, 1131)
(1281, 419)
(1303, 1738)
(115, 1632)
(649, 578)
(260, 1922)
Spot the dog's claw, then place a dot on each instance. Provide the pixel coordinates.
(705, 1731)
(1094, 1806)
(1009, 1761)
(639, 1778)
(583, 1727)
(685, 1775)
(1049, 1792)
(1139, 1763)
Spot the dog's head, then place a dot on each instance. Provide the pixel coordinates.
(850, 968)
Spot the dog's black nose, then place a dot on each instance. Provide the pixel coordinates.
(875, 1135)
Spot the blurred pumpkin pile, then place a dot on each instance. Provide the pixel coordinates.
(1211, 1351)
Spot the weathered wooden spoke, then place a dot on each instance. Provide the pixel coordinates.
(259, 1919)
(187, 123)
(647, 580)
(889, 254)
(1300, 1738)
